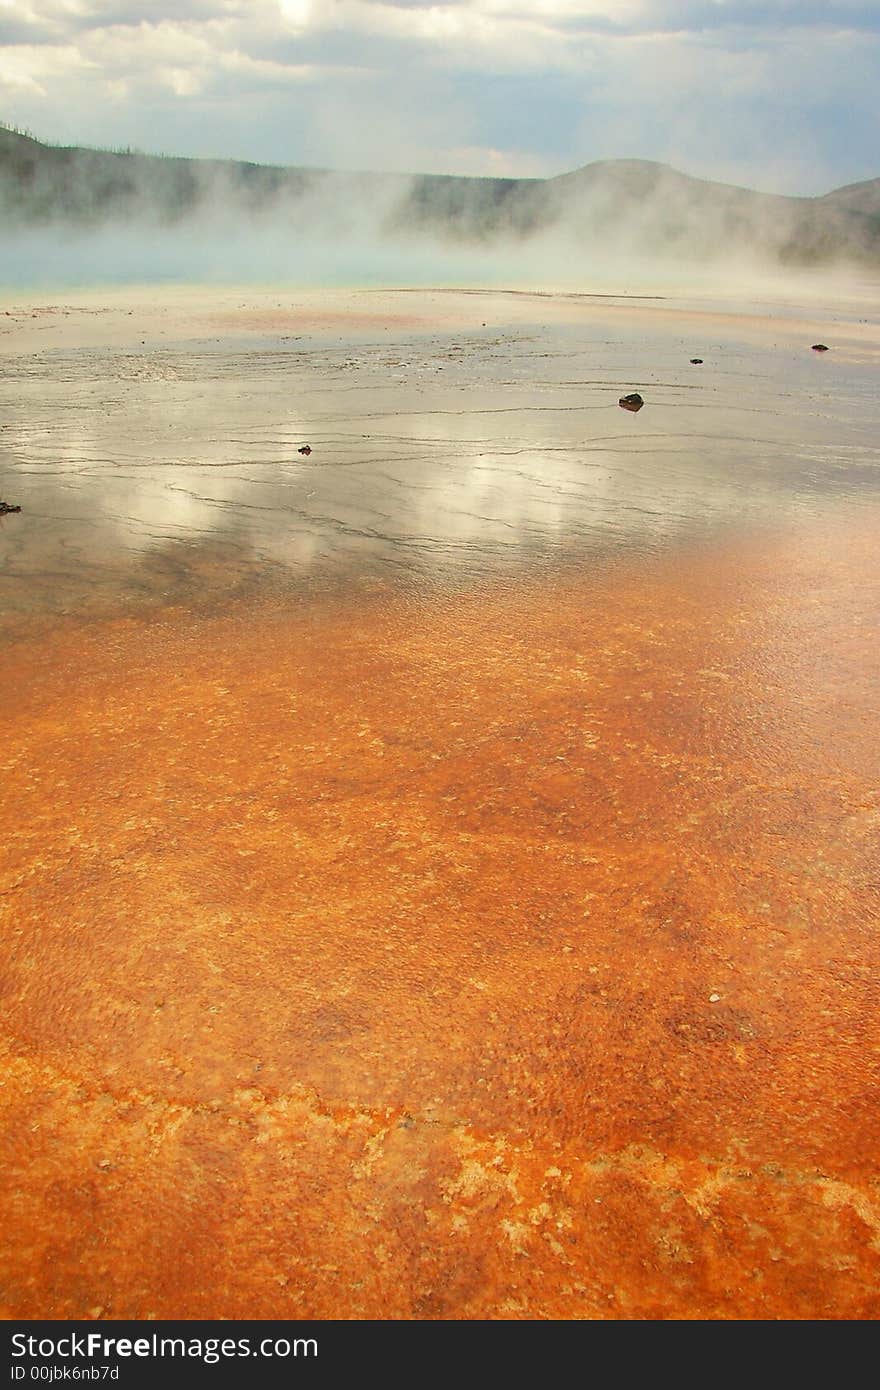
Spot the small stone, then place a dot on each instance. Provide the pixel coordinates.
(696, 361)
(714, 998)
(305, 449)
(820, 347)
(6, 507)
(631, 402)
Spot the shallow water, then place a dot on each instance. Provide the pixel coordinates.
(170, 470)
(439, 872)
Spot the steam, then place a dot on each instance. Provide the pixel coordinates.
(80, 217)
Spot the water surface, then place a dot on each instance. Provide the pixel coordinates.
(170, 468)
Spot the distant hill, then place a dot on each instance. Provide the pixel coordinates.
(636, 205)
(699, 217)
(856, 197)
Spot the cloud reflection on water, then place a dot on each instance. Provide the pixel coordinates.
(436, 458)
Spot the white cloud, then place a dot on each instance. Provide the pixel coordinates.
(781, 89)
(36, 68)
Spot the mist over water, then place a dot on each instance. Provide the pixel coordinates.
(220, 252)
(209, 251)
(73, 218)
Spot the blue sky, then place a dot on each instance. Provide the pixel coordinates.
(782, 96)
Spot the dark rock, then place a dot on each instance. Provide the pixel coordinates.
(8, 507)
(820, 347)
(696, 361)
(306, 449)
(631, 402)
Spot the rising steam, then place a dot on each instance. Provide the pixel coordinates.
(71, 216)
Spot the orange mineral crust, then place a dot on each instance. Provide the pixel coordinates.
(506, 954)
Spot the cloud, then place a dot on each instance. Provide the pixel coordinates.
(782, 91)
(36, 68)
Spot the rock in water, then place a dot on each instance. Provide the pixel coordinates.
(820, 347)
(305, 449)
(696, 361)
(8, 507)
(631, 402)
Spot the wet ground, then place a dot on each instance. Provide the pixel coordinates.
(441, 870)
(172, 470)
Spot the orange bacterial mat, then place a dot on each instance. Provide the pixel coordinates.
(511, 955)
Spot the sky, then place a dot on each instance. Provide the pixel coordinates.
(783, 95)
